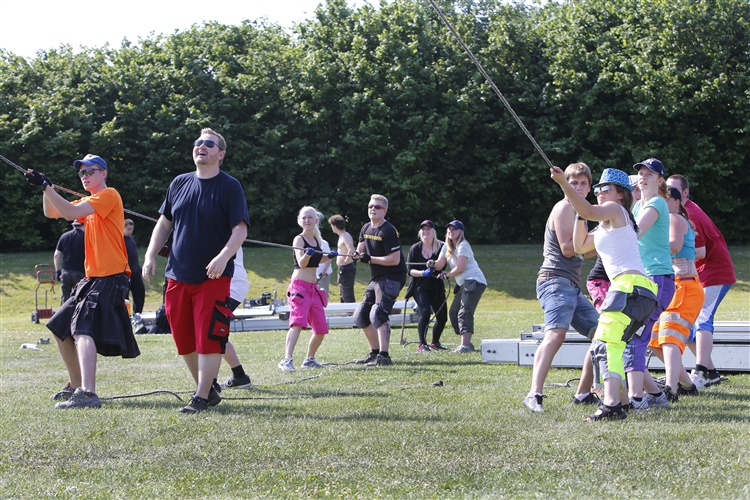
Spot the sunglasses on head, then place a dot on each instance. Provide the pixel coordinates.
(602, 190)
(205, 142)
(87, 172)
(376, 207)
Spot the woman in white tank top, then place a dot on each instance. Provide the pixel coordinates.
(632, 296)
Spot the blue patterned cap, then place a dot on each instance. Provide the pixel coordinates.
(614, 176)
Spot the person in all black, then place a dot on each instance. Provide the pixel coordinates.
(69, 257)
(428, 291)
(137, 289)
(380, 246)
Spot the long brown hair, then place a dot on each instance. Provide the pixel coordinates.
(627, 201)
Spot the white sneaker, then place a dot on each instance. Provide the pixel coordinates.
(639, 406)
(534, 403)
(700, 379)
(659, 401)
(464, 349)
(286, 365)
(311, 363)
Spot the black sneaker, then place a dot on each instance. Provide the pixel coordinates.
(80, 399)
(687, 391)
(196, 405)
(65, 394)
(672, 397)
(381, 361)
(213, 397)
(437, 346)
(215, 386)
(607, 413)
(591, 399)
(237, 383)
(368, 359)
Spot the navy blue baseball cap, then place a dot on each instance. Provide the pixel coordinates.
(428, 223)
(652, 164)
(457, 224)
(90, 160)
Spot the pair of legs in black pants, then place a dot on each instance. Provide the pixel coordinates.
(429, 302)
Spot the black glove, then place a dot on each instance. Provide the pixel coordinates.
(365, 258)
(332, 255)
(36, 178)
(58, 275)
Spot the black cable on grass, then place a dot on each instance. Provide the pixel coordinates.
(489, 80)
(566, 384)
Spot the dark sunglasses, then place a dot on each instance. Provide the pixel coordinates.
(87, 172)
(602, 190)
(205, 142)
(376, 207)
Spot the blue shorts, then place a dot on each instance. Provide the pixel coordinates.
(714, 295)
(564, 305)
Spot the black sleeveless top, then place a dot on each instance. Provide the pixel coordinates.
(314, 260)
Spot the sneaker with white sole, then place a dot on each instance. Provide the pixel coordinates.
(464, 349)
(659, 401)
(286, 365)
(639, 406)
(687, 391)
(65, 394)
(311, 363)
(371, 356)
(534, 403)
(196, 405)
(237, 383)
(591, 399)
(80, 399)
(702, 379)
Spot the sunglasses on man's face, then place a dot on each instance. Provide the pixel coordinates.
(376, 207)
(602, 190)
(205, 142)
(87, 172)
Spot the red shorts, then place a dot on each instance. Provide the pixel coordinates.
(198, 315)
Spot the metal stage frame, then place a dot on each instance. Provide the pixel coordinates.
(731, 351)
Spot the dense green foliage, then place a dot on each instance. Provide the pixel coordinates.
(362, 101)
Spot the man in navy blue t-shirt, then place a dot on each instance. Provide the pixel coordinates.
(207, 211)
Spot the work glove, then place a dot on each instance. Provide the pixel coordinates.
(332, 255)
(309, 251)
(429, 273)
(365, 258)
(36, 178)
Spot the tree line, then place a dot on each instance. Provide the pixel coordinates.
(366, 100)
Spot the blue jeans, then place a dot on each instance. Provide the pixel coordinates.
(564, 305)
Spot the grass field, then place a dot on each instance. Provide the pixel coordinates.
(349, 431)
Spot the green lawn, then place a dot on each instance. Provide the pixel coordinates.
(349, 431)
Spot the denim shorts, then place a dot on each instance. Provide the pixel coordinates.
(564, 305)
